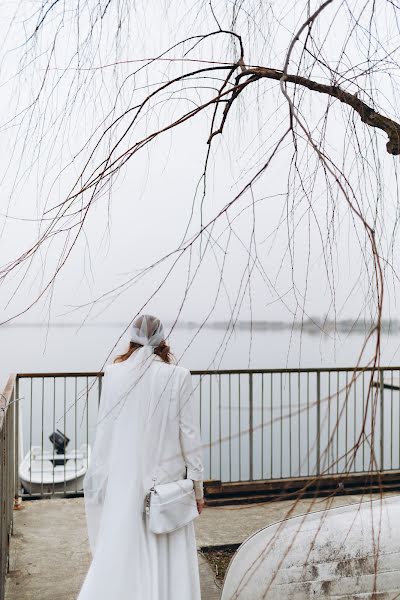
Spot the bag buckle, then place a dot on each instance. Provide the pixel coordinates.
(147, 498)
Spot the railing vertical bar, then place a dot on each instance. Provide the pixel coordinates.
(230, 428)
(398, 421)
(382, 421)
(65, 431)
(210, 418)
(391, 420)
(364, 420)
(299, 420)
(54, 425)
(87, 419)
(318, 461)
(346, 398)
(100, 387)
(338, 417)
(251, 427)
(42, 437)
(30, 434)
(373, 422)
(17, 440)
(290, 424)
(329, 437)
(219, 427)
(240, 431)
(272, 424)
(308, 423)
(200, 403)
(281, 425)
(355, 422)
(76, 429)
(262, 425)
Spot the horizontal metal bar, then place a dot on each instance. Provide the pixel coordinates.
(224, 371)
(61, 374)
(295, 370)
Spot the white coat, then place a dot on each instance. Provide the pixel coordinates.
(141, 398)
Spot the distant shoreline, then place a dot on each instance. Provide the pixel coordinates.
(312, 326)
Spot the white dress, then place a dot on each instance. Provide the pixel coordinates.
(146, 417)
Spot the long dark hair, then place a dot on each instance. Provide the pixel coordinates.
(162, 350)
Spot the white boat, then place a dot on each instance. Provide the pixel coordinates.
(48, 471)
(347, 552)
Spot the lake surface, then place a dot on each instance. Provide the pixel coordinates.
(70, 348)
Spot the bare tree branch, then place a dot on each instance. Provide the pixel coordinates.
(368, 115)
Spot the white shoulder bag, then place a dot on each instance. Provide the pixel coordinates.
(169, 506)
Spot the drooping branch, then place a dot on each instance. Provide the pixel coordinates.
(368, 115)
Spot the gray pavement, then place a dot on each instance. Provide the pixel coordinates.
(50, 554)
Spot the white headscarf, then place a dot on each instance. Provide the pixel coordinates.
(147, 330)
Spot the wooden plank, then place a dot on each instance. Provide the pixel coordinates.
(217, 492)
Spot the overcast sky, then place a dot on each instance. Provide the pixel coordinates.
(304, 266)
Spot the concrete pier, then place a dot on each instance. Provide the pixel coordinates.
(50, 554)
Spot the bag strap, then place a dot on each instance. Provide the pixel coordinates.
(161, 444)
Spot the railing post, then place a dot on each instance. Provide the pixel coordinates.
(10, 427)
(3, 503)
(7, 431)
(16, 439)
(318, 441)
(382, 421)
(251, 426)
(100, 387)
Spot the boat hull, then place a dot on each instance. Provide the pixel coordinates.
(39, 475)
(48, 488)
(341, 553)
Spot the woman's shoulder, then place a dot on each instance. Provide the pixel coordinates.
(178, 368)
(110, 369)
(179, 371)
(182, 371)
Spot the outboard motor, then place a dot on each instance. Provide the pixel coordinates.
(59, 440)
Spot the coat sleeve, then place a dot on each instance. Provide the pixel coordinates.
(95, 480)
(189, 430)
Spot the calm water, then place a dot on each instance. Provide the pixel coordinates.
(33, 349)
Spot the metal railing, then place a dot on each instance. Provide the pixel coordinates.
(67, 402)
(8, 472)
(255, 424)
(295, 423)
